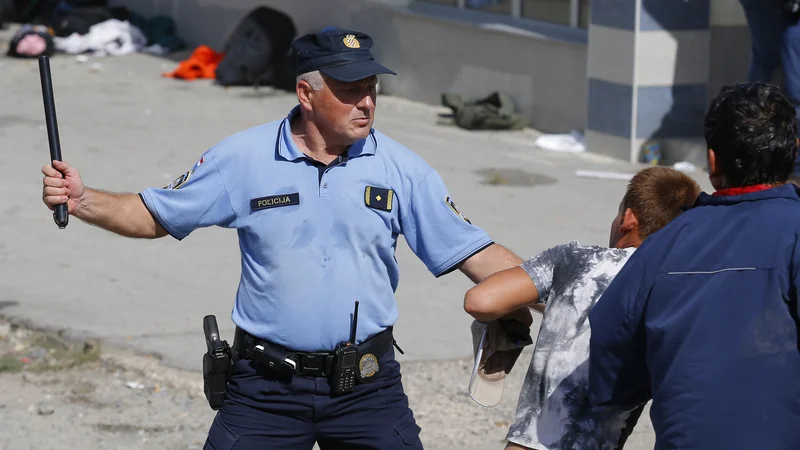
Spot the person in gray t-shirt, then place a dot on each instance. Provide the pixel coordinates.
(564, 282)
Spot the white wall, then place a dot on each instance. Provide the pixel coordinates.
(545, 77)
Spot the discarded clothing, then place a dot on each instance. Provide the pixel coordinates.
(31, 41)
(69, 16)
(112, 37)
(68, 19)
(573, 142)
(201, 64)
(494, 112)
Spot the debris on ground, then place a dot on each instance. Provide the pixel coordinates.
(684, 166)
(21, 349)
(574, 142)
(603, 175)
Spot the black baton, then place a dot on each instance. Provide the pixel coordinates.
(60, 214)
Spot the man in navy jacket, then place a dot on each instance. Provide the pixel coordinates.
(703, 319)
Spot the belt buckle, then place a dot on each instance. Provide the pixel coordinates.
(315, 363)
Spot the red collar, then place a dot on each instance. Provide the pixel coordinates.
(742, 190)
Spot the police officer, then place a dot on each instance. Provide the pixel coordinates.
(318, 199)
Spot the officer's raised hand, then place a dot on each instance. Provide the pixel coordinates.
(62, 184)
(121, 213)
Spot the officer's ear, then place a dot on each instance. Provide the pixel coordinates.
(304, 92)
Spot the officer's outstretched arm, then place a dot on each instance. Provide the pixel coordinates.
(493, 258)
(120, 213)
(123, 214)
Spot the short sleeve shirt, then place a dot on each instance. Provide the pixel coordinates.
(554, 410)
(315, 238)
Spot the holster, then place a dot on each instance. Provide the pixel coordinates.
(217, 366)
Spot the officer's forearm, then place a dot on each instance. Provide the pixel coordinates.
(120, 213)
(493, 258)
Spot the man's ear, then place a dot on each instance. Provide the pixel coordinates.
(711, 158)
(304, 94)
(629, 222)
(714, 175)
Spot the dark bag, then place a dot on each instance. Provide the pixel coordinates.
(494, 112)
(257, 51)
(80, 19)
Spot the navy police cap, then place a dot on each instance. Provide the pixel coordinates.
(340, 54)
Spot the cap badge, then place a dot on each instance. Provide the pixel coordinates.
(350, 41)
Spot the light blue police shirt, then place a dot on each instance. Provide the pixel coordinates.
(315, 239)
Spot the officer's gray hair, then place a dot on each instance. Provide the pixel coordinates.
(314, 79)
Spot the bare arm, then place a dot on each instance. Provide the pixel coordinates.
(501, 294)
(488, 261)
(120, 213)
(123, 214)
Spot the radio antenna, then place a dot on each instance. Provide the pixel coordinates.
(355, 325)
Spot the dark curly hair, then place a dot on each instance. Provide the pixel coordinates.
(752, 128)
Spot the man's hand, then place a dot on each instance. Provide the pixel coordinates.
(124, 214)
(62, 184)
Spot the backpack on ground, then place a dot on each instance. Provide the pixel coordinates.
(493, 112)
(257, 50)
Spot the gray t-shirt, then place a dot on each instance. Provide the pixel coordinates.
(553, 411)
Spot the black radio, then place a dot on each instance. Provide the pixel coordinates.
(343, 375)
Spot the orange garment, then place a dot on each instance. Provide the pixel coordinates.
(201, 64)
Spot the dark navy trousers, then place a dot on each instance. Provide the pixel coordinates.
(267, 411)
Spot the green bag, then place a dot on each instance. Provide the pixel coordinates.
(494, 112)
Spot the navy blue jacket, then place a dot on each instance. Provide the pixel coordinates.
(703, 320)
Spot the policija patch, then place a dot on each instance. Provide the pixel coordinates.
(274, 201)
(449, 201)
(379, 198)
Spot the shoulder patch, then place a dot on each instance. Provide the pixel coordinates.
(379, 198)
(449, 201)
(181, 180)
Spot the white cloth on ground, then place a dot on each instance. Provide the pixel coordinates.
(111, 37)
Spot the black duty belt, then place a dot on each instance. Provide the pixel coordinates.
(310, 364)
